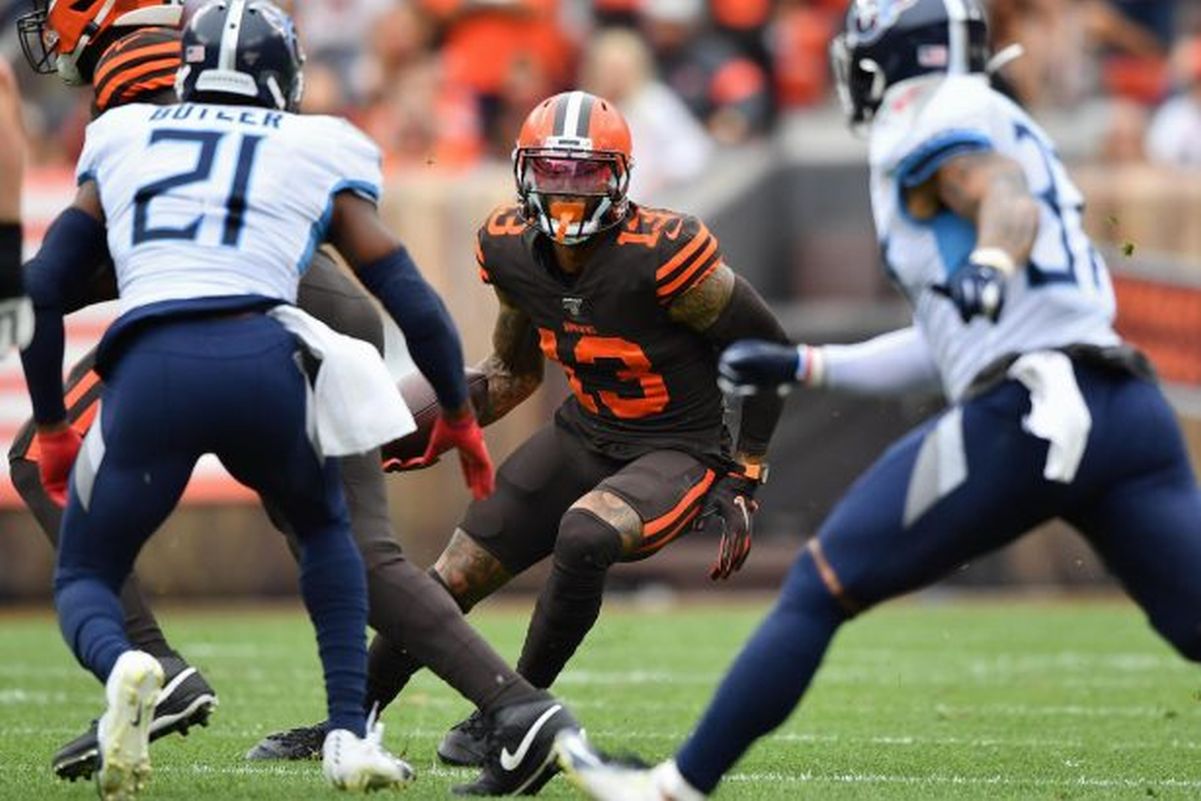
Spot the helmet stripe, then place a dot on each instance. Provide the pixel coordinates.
(584, 125)
(228, 58)
(560, 117)
(571, 123)
(957, 36)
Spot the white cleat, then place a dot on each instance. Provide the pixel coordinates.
(605, 780)
(361, 765)
(123, 733)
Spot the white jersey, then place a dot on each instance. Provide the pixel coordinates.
(207, 201)
(1063, 296)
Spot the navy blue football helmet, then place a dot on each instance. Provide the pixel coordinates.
(241, 52)
(885, 42)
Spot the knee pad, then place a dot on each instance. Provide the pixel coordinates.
(807, 590)
(586, 542)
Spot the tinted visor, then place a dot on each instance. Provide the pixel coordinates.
(38, 43)
(559, 175)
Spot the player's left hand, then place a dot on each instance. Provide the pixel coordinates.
(56, 454)
(729, 509)
(750, 366)
(977, 290)
(16, 322)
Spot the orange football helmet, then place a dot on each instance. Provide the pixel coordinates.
(68, 36)
(572, 166)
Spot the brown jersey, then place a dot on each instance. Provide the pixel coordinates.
(640, 382)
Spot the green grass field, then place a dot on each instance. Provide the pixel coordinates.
(995, 700)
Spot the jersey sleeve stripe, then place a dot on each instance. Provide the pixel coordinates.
(665, 271)
(698, 269)
(917, 168)
(479, 261)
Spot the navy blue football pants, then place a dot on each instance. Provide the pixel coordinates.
(1134, 498)
(231, 386)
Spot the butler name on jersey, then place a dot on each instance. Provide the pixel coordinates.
(233, 188)
(640, 382)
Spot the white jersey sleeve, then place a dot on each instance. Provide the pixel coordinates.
(205, 200)
(1062, 296)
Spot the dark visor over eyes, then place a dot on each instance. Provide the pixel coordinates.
(568, 176)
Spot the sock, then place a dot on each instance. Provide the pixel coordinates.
(89, 616)
(571, 600)
(767, 679)
(334, 588)
(140, 624)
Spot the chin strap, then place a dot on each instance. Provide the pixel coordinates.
(1004, 57)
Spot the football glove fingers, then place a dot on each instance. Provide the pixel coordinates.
(466, 436)
(729, 512)
(16, 323)
(977, 290)
(56, 454)
(750, 366)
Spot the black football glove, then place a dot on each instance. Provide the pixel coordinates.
(728, 510)
(977, 290)
(750, 366)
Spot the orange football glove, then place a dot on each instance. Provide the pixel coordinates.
(57, 452)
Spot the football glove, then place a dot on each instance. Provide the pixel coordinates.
(56, 453)
(728, 511)
(750, 366)
(976, 289)
(463, 433)
(16, 323)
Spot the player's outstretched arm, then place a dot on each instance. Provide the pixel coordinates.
(515, 368)
(990, 190)
(724, 308)
(386, 269)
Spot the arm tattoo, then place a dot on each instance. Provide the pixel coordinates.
(991, 191)
(699, 307)
(514, 369)
(468, 571)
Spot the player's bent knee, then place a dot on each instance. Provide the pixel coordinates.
(811, 587)
(586, 542)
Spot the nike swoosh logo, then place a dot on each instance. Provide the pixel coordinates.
(137, 720)
(510, 762)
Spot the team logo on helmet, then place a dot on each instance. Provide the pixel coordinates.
(873, 17)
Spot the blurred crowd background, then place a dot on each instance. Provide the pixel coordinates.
(734, 119)
(444, 84)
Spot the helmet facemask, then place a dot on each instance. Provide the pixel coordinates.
(572, 194)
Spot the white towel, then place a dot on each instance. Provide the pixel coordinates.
(1058, 412)
(358, 406)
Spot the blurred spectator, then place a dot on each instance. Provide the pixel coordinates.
(334, 31)
(1125, 132)
(615, 13)
(1175, 136)
(670, 146)
(493, 46)
(725, 89)
(800, 41)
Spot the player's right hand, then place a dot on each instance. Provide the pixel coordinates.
(462, 432)
(977, 290)
(751, 366)
(57, 450)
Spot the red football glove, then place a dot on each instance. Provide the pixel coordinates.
(465, 434)
(57, 452)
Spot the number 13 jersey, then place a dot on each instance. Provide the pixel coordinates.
(210, 200)
(639, 381)
(1062, 296)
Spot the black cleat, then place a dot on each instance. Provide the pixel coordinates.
(521, 754)
(466, 744)
(186, 700)
(301, 743)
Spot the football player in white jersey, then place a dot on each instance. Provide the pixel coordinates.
(212, 209)
(1050, 414)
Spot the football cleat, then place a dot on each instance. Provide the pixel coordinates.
(520, 755)
(185, 700)
(303, 742)
(124, 729)
(606, 779)
(361, 764)
(466, 744)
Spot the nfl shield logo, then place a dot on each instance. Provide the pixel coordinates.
(193, 54)
(573, 306)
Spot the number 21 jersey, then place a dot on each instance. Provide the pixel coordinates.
(209, 200)
(640, 382)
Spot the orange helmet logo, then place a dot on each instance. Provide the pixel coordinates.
(572, 166)
(68, 36)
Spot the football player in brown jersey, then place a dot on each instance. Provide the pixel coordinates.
(634, 304)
